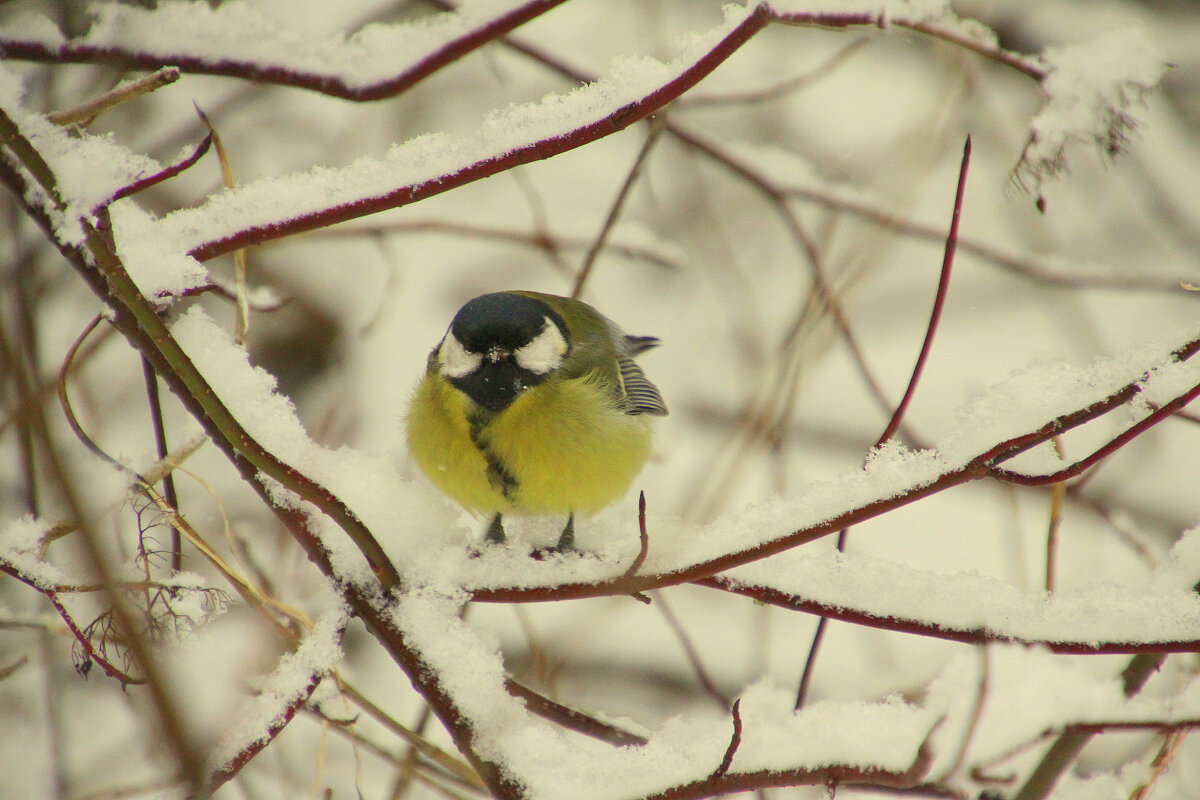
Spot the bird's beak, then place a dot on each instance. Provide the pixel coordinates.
(497, 354)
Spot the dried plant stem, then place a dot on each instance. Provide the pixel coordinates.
(1058, 495)
(453, 766)
(1162, 760)
(175, 733)
(242, 322)
(84, 113)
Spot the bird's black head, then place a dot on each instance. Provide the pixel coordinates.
(501, 344)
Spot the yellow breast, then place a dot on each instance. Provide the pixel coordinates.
(562, 446)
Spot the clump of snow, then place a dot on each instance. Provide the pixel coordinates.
(27, 25)
(158, 269)
(1036, 395)
(885, 734)
(555, 764)
(1090, 89)
(1030, 692)
(1182, 568)
(1166, 382)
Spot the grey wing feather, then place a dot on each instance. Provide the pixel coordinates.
(641, 396)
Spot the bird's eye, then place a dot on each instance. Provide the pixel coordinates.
(545, 352)
(456, 360)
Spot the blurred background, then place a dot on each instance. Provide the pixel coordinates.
(810, 152)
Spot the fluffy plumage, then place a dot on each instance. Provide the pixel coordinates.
(533, 404)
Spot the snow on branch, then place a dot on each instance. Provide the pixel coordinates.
(1090, 90)
(968, 607)
(432, 164)
(1004, 424)
(880, 743)
(239, 40)
(281, 695)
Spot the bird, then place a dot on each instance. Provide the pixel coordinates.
(532, 405)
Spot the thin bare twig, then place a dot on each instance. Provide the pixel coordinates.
(693, 657)
(657, 125)
(160, 443)
(777, 90)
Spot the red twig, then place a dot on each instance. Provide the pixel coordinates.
(233, 766)
(732, 782)
(897, 418)
(536, 150)
(693, 657)
(642, 536)
(1116, 443)
(330, 84)
(572, 719)
(978, 467)
(164, 174)
(810, 661)
(939, 299)
(735, 741)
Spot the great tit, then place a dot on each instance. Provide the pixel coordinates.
(532, 404)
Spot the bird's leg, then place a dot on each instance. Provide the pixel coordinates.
(566, 541)
(495, 531)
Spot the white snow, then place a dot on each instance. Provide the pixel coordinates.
(1091, 91)
(553, 764)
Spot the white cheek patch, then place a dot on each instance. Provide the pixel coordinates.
(545, 353)
(455, 360)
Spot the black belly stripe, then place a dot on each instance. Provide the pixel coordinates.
(498, 475)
